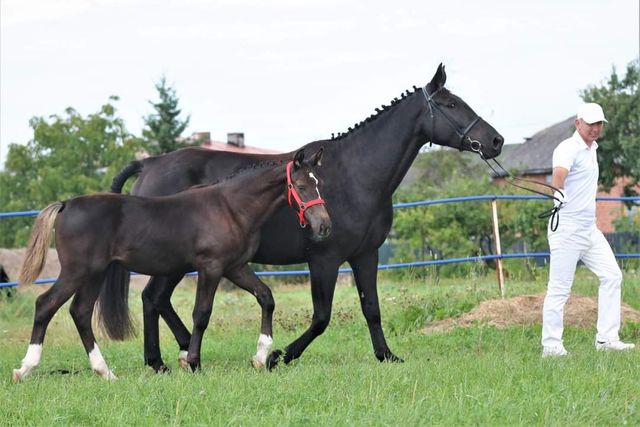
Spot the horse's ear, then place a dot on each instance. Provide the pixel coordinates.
(298, 159)
(316, 160)
(439, 78)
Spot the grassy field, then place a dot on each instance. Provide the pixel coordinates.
(471, 376)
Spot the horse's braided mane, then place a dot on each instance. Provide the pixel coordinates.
(374, 116)
(262, 165)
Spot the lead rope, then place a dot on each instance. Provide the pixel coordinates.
(554, 212)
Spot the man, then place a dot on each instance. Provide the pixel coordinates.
(575, 173)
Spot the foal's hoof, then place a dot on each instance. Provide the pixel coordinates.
(184, 364)
(106, 374)
(162, 369)
(257, 364)
(273, 359)
(15, 376)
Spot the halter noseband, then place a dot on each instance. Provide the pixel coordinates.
(302, 206)
(474, 145)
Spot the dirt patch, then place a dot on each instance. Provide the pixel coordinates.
(527, 310)
(11, 261)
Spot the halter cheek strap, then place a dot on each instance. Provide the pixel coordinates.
(302, 205)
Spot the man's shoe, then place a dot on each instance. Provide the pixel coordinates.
(554, 351)
(614, 345)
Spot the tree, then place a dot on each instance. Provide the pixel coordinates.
(164, 128)
(463, 229)
(448, 230)
(69, 155)
(619, 146)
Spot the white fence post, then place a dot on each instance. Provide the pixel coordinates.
(496, 238)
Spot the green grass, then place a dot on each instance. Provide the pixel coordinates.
(473, 376)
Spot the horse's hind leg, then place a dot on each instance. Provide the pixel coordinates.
(47, 305)
(208, 281)
(245, 278)
(156, 302)
(81, 312)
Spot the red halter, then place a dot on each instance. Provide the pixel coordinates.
(302, 206)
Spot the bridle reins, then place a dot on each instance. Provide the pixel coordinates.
(476, 146)
(292, 193)
(553, 212)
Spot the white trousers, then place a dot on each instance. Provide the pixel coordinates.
(569, 244)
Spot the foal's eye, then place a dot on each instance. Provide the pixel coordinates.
(452, 105)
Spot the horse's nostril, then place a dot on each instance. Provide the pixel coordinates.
(498, 141)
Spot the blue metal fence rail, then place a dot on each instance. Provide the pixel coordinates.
(405, 264)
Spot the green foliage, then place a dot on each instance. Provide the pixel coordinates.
(164, 128)
(619, 146)
(461, 229)
(69, 155)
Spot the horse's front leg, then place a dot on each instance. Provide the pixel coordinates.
(208, 280)
(365, 271)
(323, 284)
(245, 278)
(156, 301)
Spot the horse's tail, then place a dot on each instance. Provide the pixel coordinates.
(38, 245)
(133, 168)
(113, 304)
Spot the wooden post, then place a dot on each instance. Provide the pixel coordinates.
(496, 238)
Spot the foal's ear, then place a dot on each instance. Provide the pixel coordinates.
(298, 158)
(316, 160)
(439, 78)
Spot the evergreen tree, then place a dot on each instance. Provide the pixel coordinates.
(164, 128)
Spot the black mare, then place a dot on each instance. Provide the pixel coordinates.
(364, 167)
(212, 229)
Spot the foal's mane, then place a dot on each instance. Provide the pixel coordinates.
(245, 169)
(379, 111)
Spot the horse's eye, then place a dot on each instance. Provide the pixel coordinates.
(301, 187)
(452, 105)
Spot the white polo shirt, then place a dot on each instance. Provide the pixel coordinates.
(581, 184)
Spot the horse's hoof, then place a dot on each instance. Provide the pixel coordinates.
(15, 376)
(390, 357)
(257, 364)
(107, 375)
(184, 364)
(273, 359)
(162, 369)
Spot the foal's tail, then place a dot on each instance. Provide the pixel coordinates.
(113, 304)
(38, 245)
(113, 301)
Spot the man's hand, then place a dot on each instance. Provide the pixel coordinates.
(559, 199)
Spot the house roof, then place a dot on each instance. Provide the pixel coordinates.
(535, 155)
(224, 146)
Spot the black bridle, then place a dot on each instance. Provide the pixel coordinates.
(474, 145)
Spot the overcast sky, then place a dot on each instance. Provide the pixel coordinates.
(289, 72)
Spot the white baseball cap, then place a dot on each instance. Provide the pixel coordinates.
(591, 113)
